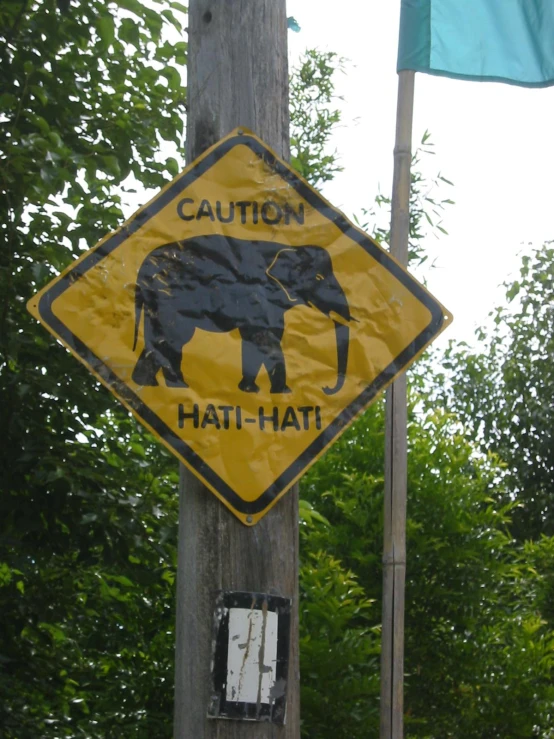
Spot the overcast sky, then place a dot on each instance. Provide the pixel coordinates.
(494, 141)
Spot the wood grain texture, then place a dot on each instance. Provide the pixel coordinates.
(237, 72)
(394, 545)
(237, 76)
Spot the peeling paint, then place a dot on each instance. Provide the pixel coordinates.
(250, 658)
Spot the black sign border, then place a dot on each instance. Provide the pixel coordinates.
(127, 395)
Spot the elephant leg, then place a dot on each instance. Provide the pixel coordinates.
(171, 366)
(263, 347)
(172, 352)
(161, 355)
(274, 361)
(146, 368)
(252, 360)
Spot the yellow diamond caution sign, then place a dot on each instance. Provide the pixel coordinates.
(242, 319)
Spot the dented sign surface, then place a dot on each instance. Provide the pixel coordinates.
(242, 319)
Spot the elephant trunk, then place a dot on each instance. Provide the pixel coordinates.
(342, 333)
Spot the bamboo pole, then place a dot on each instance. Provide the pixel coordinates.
(394, 544)
(237, 76)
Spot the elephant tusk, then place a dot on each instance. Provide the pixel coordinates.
(343, 321)
(338, 319)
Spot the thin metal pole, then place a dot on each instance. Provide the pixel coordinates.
(394, 545)
(237, 76)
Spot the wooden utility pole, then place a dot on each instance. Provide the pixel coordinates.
(394, 545)
(237, 76)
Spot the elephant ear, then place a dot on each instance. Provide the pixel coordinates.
(282, 270)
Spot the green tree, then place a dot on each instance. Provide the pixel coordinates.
(87, 511)
(500, 391)
(503, 389)
(314, 116)
(473, 597)
(473, 619)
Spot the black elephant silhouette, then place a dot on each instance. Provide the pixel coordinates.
(217, 283)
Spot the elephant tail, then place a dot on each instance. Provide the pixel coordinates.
(139, 302)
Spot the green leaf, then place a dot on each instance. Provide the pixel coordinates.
(111, 165)
(38, 92)
(172, 19)
(122, 580)
(7, 101)
(178, 6)
(513, 290)
(129, 32)
(106, 29)
(172, 76)
(172, 166)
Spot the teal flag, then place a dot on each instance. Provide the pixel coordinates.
(500, 40)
